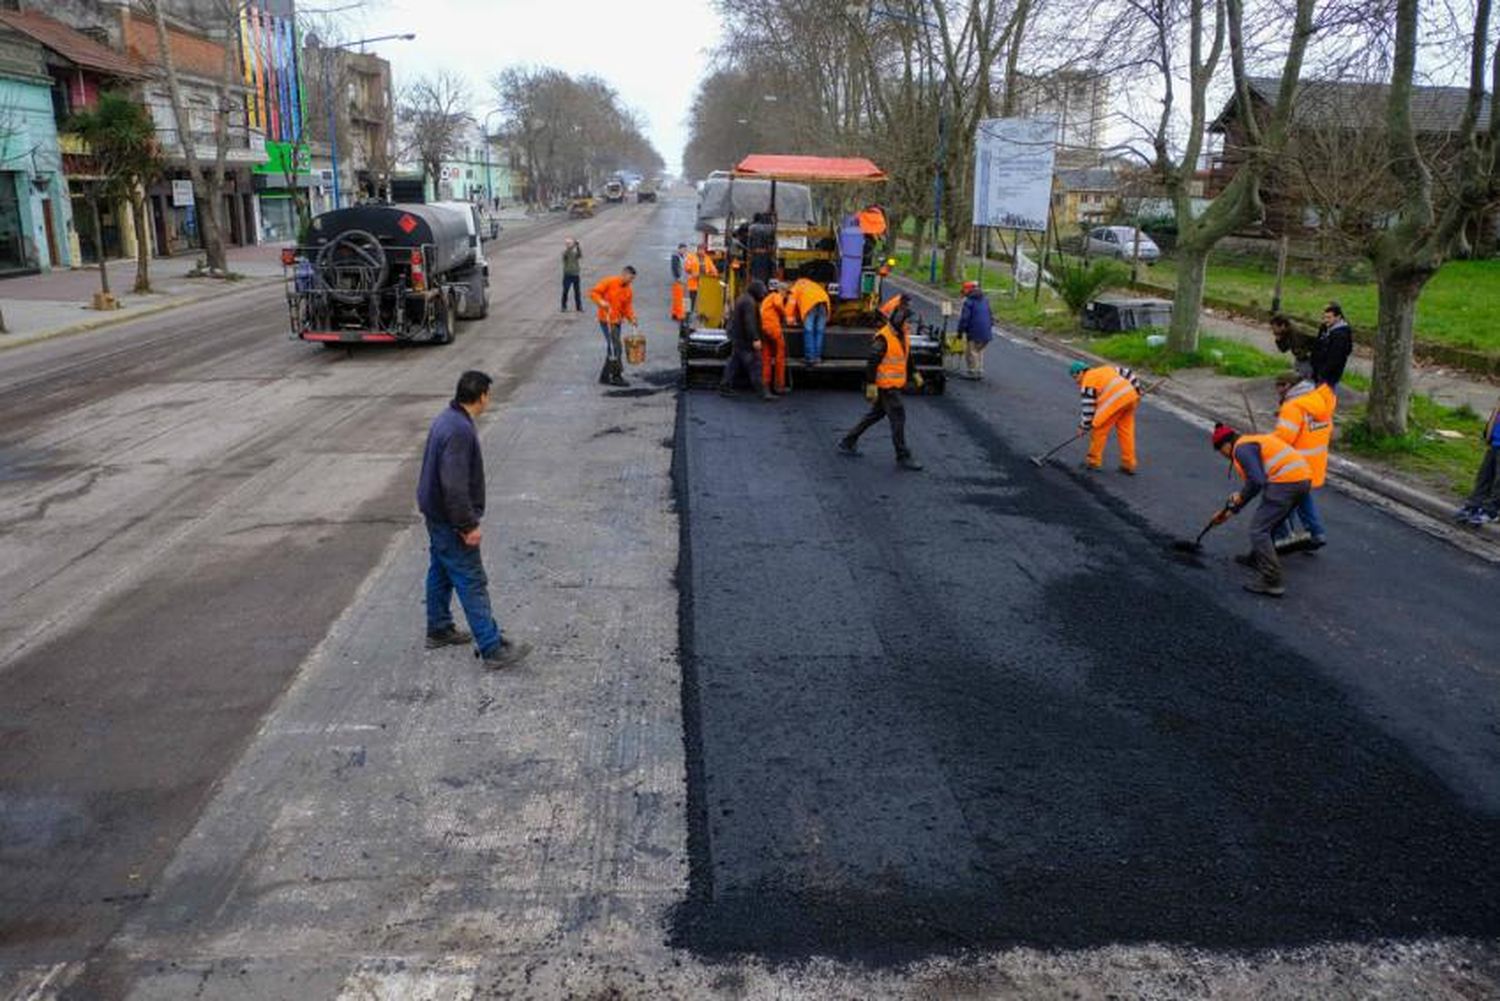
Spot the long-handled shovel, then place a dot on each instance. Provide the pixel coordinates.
(1196, 546)
(1041, 460)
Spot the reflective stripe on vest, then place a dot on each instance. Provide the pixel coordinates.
(1109, 398)
(891, 372)
(1284, 464)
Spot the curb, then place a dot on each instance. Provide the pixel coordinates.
(128, 314)
(1343, 473)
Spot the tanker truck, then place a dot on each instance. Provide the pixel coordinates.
(381, 274)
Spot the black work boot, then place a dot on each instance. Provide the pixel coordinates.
(910, 462)
(1266, 585)
(616, 373)
(452, 636)
(846, 447)
(505, 654)
(604, 373)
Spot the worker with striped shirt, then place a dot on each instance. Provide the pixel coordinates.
(1110, 395)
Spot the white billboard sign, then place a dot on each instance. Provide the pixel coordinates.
(1013, 172)
(182, 194)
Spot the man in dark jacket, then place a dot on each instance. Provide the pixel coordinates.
(572, 274)
(450, 493)
(1335, 342)
(743, 329)
(978, 328)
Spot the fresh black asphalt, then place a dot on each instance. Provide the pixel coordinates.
(981, 706)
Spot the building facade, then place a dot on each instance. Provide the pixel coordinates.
(36, 220)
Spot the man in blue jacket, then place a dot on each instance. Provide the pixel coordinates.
(450, 493)
(977, 326)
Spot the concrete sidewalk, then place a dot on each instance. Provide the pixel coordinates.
(48, 305)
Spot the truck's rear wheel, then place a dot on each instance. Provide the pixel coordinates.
(443, 321)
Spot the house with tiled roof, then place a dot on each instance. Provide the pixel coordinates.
(1336, 151)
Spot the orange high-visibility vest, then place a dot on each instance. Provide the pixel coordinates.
(1112, 392)
(1284, 464)
(806, 295)
(872, 221)
(1305, 422)
(891, 372)
(690, 267)
(889, 306)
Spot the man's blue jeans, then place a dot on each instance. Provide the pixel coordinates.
(457, 567)
(1305, 513)
(813, 326)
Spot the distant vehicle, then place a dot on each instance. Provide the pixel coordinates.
(1119, 241)
(557, 205)
(581, 207)
(645, 191)
(379, 274)
(614, 191)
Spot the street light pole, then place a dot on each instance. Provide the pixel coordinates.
(484, 133)
(333, 127)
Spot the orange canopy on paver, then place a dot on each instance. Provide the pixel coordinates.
(810, 169)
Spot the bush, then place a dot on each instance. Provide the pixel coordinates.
(1077, 285)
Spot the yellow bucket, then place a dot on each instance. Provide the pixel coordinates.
(635, 348)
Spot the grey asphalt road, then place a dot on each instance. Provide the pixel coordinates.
(796, 725)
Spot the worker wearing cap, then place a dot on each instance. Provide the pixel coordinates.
(616, 304)
(1305, 421)
(1279, 475)
(810, 305)
(887, 372)
(1110, 395)
(773, 340)
(978, 328)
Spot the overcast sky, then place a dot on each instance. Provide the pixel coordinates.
(652, 53)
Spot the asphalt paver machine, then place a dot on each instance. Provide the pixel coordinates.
(830, 251)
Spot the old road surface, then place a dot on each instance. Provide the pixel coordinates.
(796, 724)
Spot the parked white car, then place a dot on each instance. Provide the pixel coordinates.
(1119, 241)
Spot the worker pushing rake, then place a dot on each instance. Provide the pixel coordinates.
(1109, 396)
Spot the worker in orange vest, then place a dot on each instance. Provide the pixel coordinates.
(773, 340)
(678, 311)
(1110, 395)
(810, 305)
(616, 304)
(887, 371)
(1305, 421)
(1280, 475)
(871, 221)
(694, 264)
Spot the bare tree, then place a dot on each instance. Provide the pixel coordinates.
(434, 112)
(1409, 251)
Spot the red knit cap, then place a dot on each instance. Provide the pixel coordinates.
(1222, 434)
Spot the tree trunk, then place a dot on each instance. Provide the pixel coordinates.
(99, 243)
(142, 249)
(894, 222)
(1192, 269)
(209, 223)
(1390, 387)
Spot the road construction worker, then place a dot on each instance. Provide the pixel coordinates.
(1110, 395)
(1279, 474)
(887, 372)
(616, 304)
(773, 339)
(679, 312)
(694, 264)
(1305, 421)
(745, 344)
(871, 221)
(810, 305)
